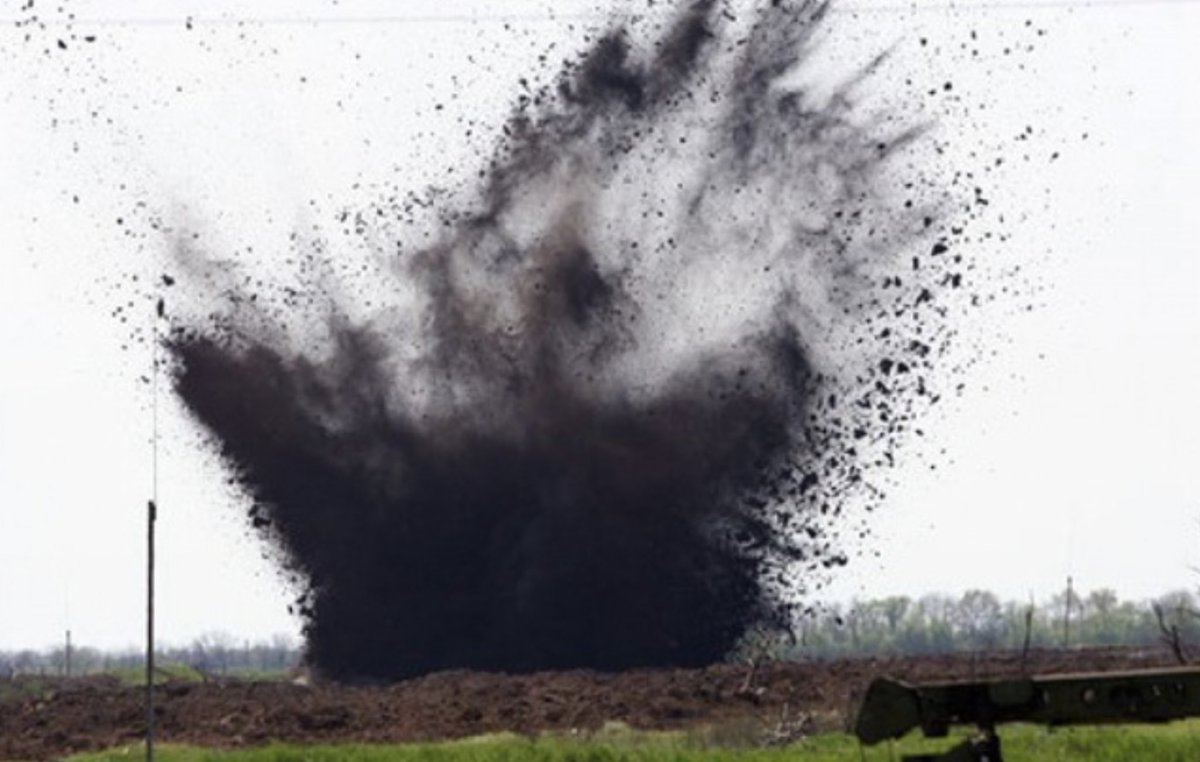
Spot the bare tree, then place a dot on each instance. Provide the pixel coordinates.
(1170, 634)
(211, 653)
(980, 617)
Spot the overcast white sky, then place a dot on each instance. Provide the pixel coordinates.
(1072, 452)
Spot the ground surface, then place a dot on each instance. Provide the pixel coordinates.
(96, 713)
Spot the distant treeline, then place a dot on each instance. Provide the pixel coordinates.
(214, 653)
(980, 620)
(977, 620)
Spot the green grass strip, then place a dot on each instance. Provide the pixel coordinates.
(1179, 742)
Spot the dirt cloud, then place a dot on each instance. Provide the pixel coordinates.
(609, 417)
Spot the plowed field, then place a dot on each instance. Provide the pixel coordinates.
(94, 713)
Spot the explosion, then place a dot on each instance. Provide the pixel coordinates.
(609, 417)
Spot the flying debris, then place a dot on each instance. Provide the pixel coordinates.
(610, 416)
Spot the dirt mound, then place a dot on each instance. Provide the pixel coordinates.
(95, 713)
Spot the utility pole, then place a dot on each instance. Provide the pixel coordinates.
(151, 517)
(1067, 613)
(67, 655)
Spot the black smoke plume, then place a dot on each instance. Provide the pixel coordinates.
(609, 416)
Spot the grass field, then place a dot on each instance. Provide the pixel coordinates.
(1179, 742)
(165, 672)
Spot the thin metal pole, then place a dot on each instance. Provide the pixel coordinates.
(1067, 613)
(151, 516)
